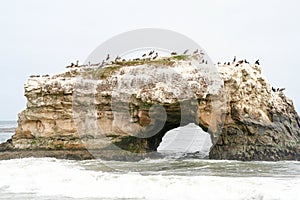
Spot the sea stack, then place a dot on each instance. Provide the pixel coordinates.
(247, 122)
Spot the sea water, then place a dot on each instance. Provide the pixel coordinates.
(7, 129)
(164, 178)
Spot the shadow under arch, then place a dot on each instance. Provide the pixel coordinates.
(177, 115)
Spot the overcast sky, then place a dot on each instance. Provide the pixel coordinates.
(43, 36)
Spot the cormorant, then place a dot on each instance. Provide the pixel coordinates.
(144, 55)
(117, 58)
(273, 89)
(240, 62)
(234, 59)
(282, 89)
(185, 52)
(151, 52)
(107, 58)
(173, 53)
(257, 62)
(195, 51)
(156, 55)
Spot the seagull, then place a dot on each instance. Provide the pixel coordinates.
(185, 52)
(257, 62)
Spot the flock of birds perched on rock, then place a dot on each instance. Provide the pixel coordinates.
(152, 55)
(237, 63)
(240, 62)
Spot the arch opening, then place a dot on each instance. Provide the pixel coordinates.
(186, 140)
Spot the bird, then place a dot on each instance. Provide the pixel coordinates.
(282, 89)
(77, 62)
(156, 55)
(237, 64)
(234, 59)
(123, 60)
(273, 89)
(144, 55)
(185, 52)
(206, 62)
(151, 52)
(173, 53)
(117, 58)
(107, 58)
(219, 63)
(196, 51)
(240, 62)
(257, 62)
(228, 63)
(70, 66)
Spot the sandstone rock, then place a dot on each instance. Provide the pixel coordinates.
(129, 106)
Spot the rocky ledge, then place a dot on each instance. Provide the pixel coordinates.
(127, 106)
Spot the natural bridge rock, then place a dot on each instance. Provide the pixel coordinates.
(130, 105)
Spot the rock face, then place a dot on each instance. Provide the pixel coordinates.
(129, 106)
(260, 124)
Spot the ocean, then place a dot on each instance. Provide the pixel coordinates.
(7, 129)
(157, 179)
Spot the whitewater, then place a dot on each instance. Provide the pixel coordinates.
(171, 177)
(168, 178)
